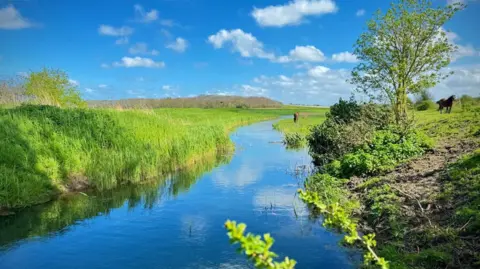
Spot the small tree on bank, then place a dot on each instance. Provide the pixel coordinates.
(403, 52)
(52, 87)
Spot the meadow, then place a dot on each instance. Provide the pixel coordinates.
(47, 150)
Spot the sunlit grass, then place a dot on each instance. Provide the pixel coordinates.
(43, 149)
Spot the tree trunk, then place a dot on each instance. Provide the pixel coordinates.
(400, 108)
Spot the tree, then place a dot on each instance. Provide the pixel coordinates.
(403, 52)
(53, 87)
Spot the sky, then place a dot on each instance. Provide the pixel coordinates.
(294, 51)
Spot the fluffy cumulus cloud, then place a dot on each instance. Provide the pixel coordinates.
(292, 13)
(346, 57)
(465, 80)
(113, 31)
(360, 12)
(318, 85)
(244, 43)
(303, 53)
(249, 46)
(138, 62)
(11, 19)
(179, 45)
(141, 48)
(462, 50)
(145, 16)
(121, 32)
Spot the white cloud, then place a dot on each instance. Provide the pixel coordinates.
(73, 82)
(112, 31)
(449, 2)
(102, 86)
(318, 71)
(360, 12)
(345, 57)
(11, 19)
(465, 80)
(138, 62)
(166, 87)
(244, 43)
(89, 90)
(122, 41)
(292, 13)
(179, 45)
(462, 50)
(303, 53)
(143, 16)
(141, 48)
(104, 65)
(319, 85)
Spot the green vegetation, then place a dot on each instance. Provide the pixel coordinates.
(358, 190)
(202, 101)
(403, 51)
(46, 150)
(61, 213)
(256, 249)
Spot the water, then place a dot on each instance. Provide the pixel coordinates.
(178, 222)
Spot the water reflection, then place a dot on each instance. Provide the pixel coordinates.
(56, 217)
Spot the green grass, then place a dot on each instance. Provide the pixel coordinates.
(310, 118)
(43, 149)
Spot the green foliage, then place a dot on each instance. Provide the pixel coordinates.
(45, 149)
(294, 140)
(339, 217)
(403, 51)
(344, 111)
(463, 186)
(337, 135)
(52, 87)
(256, 249)
(425, 105)
(387, 149)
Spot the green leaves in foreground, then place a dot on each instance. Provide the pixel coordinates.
(256, 249)
(338, 217)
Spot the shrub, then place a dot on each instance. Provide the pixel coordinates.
(345, 111)
(425, 105)
(348, 126)
(52, 87)
(294, 140)
(383, 153)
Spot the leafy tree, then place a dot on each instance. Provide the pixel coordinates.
(53, 87)
(403, 52)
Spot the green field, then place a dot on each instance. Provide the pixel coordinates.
(307, 119)
(45, 150)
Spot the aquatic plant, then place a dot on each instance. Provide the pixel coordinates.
(256, 249)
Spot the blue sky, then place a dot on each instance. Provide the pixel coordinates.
(293, 51)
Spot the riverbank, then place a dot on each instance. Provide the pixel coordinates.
(46, 151)
(422, 208)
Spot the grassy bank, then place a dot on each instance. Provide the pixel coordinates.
(295, 133)
(419, 200)
(46, 150)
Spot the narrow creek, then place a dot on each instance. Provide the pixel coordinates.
(178, 222)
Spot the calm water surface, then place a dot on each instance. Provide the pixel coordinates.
(178, 222)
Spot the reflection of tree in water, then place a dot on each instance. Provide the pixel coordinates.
(58, 215)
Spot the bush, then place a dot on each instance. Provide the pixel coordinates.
(344, 111)
(387, 149)
(294, 140)
(52, 87)
(425, 105)
(348, 126)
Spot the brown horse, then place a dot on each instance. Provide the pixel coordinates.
(295, 117)
(448, 103)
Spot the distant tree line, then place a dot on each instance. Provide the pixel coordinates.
(202, 101)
